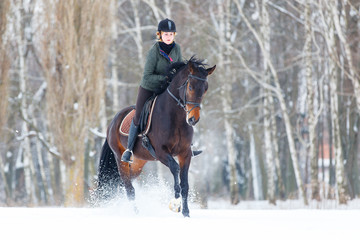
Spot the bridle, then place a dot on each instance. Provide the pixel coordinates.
(178, 100)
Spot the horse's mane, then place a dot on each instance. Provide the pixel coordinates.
(176, 67)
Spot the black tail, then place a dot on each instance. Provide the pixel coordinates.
(108, 174)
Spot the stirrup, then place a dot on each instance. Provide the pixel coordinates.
(195, 153)
(125, 157)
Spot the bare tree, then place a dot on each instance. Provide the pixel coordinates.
(329, 36)
(21, 41)
(269, 156)
(278, 92)
(353, 72)
(224, 61)
(73, 58)
(4, 83)
(5, 62)
(310, 103)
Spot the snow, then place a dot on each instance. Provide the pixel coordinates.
(9, 154)
(255, 16)
(154, 220)
(113, 223)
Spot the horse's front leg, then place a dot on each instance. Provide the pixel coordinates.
(174, 169)
(170, 162)
(184, 161)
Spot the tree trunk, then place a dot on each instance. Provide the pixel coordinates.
(340, 174)
(21, 48)
(255, 169)
(4, 84)
(74, 184)
(331, 146)
(226, 93)
(138, 36)
(354, 77)
(338, 153)
(275, 147)
(231, 152)
(5, 64)
(312, 153)
(269, 152)
(113, 59)
(74, 69)
(269, 156)
(4, 181)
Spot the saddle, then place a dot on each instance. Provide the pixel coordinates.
(145, 119)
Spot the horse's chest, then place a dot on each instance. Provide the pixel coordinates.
(181, 138)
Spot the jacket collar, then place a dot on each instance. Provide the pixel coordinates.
(163, 53)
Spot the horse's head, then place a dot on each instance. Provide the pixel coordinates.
(194, 89)
(190, 81)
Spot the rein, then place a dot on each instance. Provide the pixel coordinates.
(178, 100)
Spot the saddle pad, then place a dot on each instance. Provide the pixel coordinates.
(125, 124)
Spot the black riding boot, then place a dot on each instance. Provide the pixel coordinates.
(133, 132)
(195, 153)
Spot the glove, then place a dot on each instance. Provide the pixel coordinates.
(164, 83)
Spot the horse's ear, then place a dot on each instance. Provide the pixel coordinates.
(211, 70)
(191, 68)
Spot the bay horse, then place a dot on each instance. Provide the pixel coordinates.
(175, 113)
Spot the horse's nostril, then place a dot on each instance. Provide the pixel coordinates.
(192, 121)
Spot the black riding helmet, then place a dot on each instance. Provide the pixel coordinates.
(166, 25)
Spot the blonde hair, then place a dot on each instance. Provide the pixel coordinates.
(158, 36)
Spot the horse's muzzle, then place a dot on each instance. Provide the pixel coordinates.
(192, 121)
(192, 114)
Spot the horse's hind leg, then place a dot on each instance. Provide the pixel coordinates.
(125, 174)
(123, 168)
(128, 172)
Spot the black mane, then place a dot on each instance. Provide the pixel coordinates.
(176, 67)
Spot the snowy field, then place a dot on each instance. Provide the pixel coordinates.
(113, 223)
(248, 220)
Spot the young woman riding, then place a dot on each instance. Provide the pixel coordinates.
(159, 57)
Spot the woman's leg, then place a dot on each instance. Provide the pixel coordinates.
(143, 95)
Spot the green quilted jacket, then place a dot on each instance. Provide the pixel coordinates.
(156, 65)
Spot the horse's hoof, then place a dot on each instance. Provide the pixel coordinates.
(175, 205)
(186, 215)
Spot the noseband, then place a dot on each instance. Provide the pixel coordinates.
(178, 100)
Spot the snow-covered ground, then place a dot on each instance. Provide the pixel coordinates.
(114, 223)
(248, 220)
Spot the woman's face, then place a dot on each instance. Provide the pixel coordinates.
(167, 37)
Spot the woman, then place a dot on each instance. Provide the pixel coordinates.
(159, 57)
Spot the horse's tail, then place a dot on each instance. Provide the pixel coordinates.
(108, 174)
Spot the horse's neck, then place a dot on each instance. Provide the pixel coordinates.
(169, 106)
(176, 84)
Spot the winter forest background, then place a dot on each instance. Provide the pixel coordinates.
(280, 120)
